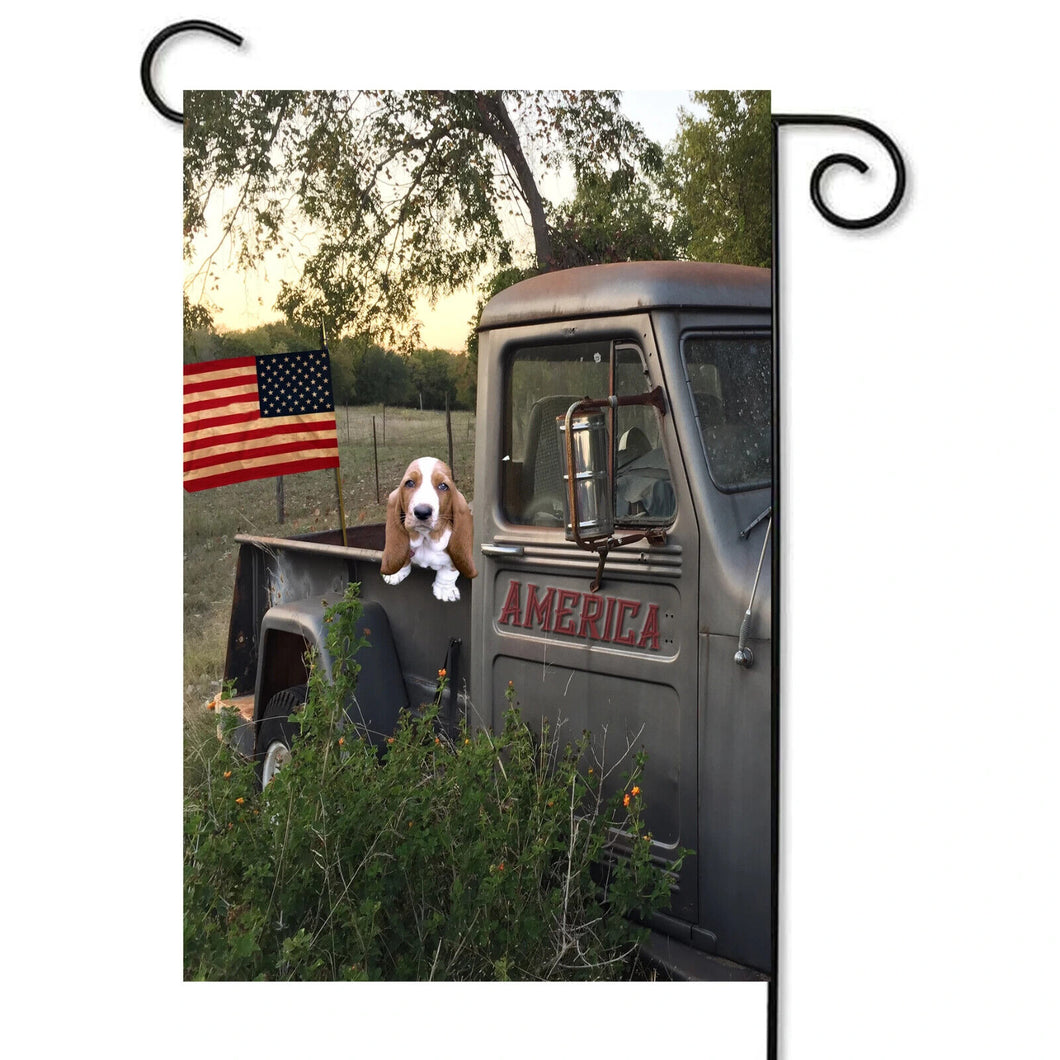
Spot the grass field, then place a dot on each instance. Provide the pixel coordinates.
(212, 518)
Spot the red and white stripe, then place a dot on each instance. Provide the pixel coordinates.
(227, 440)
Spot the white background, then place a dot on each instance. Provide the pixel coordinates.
(920, 410)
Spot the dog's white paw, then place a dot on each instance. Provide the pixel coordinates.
(397, 579)
(444, 587)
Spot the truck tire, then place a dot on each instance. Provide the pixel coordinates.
(277, 732)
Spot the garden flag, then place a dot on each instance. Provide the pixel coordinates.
(257, 417)
(383, 244)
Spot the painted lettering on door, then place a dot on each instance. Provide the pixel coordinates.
(589, 616)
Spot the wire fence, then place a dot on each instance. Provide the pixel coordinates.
(376, 445)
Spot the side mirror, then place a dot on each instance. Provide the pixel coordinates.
(584, 452)
(585, 455)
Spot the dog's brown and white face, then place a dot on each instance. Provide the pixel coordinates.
(427, 504)
(426, 497)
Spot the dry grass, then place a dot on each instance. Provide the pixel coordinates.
(212, 518)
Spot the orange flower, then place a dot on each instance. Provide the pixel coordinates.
(441, 673)
(239, 801)
(636, 790)
(625, 800)
(342, 740)
(228, 773)
(500, 867)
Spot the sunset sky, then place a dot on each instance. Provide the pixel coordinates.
(246, 300)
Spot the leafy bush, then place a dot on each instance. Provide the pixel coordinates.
(480, 857)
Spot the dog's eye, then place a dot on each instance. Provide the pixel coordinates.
(409, 484)
(442, 487)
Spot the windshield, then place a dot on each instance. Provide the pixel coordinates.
(730, 376)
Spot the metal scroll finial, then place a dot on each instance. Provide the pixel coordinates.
(158, 40)
(850, 160)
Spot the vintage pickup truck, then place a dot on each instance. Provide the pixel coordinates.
(623, 507)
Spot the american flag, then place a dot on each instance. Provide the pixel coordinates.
(255, 417)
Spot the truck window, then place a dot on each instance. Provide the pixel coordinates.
(731, 377)
(542, 382)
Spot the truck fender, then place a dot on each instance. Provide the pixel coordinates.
(289, 631)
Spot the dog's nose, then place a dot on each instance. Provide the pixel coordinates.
(422, 512)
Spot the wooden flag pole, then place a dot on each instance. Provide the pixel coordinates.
(338, 470)
(342, 511)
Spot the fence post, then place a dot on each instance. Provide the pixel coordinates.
(449, 432)
(375, 454)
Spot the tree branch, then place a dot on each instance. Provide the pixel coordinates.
(498, 126)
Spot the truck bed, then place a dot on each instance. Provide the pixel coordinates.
(428, 635)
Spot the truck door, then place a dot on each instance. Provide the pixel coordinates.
(618, 659)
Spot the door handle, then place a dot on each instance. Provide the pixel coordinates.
(502, 550)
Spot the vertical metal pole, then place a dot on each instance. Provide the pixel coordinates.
(279, 499)
(776, 632)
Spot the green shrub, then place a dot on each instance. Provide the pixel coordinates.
(486, 856)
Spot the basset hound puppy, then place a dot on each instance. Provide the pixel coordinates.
(428, 522)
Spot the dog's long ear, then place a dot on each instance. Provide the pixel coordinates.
(460, 546)
(396, 544)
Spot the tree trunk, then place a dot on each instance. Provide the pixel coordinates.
(497, 124)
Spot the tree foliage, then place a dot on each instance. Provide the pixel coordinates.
(386, 197)
(720, 175)
(363, 373)
(196, 316)
(616, 216)
(398, 194)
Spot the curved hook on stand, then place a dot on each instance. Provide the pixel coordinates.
(158, 40)
(850, 160)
